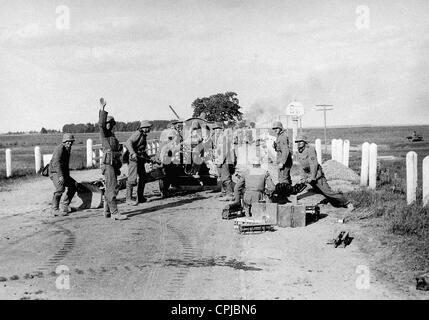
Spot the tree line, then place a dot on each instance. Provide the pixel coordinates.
(220, 107)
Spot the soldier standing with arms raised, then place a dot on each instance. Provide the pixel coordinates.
(136, 145)
(284, 154)
(111, 162)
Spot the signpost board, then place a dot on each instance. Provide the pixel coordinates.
(295, 110)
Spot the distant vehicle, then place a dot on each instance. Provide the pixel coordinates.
(414, 137)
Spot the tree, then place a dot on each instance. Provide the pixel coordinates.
(43, 131)
(219, 107)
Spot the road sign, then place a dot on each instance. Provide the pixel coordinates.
(295, 109)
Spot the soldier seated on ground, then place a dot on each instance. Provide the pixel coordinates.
(313, 174)
(253, 185)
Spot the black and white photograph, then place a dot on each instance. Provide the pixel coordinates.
(227, 151)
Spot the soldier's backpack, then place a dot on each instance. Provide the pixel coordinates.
(45, 171)
(125, 156)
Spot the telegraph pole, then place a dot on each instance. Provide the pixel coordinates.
(324, 108)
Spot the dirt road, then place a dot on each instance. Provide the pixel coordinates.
(175, 248)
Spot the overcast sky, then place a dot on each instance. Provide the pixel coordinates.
(145, 55)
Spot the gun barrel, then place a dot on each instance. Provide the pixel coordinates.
(174, 112)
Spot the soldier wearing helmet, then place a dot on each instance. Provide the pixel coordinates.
(253, 185)
(111, 162)
(59, 173)
(136, 146)
(169, 155)
(225, 160)
(313, 173)
(284, 154)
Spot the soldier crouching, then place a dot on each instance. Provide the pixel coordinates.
(307, 157)
(253, 186)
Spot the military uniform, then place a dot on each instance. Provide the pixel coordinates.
(307, 157)
(59, 167)
(169, 156)
(225, 160)
(111, 163)
(252, 185)
(136, 144)
(284, 157)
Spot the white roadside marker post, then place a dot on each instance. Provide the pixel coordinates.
(8, 163)
(37, 159)
(339, 150)
(89, 153)
(426, 181)
(333, 149)
(365, 165)
(346, 152)
(411, 160)
(372, 166)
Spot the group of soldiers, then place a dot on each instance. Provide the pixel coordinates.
(255, 184)
(111, 163)
(251, 184)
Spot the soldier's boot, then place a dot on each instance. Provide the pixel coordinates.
(66, 208)
(129, 198)
(106, 211)
(140, 194)
(55, 205)
(118, 216)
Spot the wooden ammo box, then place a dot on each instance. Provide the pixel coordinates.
(265, 212)
(289, 215)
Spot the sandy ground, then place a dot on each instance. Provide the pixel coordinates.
(174, 248)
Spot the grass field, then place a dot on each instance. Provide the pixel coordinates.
(390, 141)
(22, 147)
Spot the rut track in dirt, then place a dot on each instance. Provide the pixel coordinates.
(48, 225)
(152, 282)
(189, 253)
(171, 234)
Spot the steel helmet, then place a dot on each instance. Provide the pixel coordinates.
(278, 125)
(68, 137)
(301, 138)
(177, 121)
(217, 125)
(145, 124)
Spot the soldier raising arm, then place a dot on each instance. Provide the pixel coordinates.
(111, 162)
